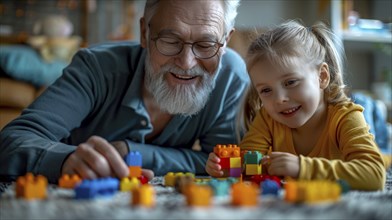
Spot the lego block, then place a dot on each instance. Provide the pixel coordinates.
(235, 172)
(235, 162)
(269, 187)
(252, 169)
(224, 163)
(69, 182)
(223, 151)
(133, 158)
(198, 195)
(135, 171)
(143, 196)
(31, 187)
(183, 180)
(220, 187)
(103, 187)
(245, 194)
(252, 157)
(169, 179)
(143, 180)
(129, 184)
(226, 172)
(309, 191)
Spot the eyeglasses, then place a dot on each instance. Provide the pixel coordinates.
(169, 46)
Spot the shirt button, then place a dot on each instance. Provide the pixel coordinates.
(143, 122)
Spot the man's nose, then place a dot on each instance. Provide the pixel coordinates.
(186, 59)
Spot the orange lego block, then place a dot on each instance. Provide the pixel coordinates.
(30, 187)
(245, 194)
(198, 195)
(134, 171)
(129, 184)
(143, 196)
(69, 182)
(224, 151)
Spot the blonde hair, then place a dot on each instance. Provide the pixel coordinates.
(281, 45)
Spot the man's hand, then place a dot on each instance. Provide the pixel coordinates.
(95, 158)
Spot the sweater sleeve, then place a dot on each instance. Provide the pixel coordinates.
(360, 164)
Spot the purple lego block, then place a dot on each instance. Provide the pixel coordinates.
(235, 172)
(133, 158)
(90, 189)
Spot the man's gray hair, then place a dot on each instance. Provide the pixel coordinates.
(229, 7)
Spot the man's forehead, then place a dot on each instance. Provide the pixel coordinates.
(200, 17)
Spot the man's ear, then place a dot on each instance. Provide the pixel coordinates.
(143, 32)
(229, 36)
(324, 75)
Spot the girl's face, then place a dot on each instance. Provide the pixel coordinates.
(294, 95)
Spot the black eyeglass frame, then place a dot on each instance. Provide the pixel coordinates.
(183, 43)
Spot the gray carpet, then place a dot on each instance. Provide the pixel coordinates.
(60, 204)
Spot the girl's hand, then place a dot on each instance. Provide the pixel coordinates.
(212, 167)
(283, 164)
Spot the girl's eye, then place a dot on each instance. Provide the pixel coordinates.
(291, 83)
(265, 91)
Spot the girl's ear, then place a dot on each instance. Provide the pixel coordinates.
(324, 75)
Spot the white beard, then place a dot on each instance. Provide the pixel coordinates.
(186, 100)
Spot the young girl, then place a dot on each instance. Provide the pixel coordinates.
(297, 106)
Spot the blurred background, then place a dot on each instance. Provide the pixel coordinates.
(56, 29)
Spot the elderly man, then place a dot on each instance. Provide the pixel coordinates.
(179, 85)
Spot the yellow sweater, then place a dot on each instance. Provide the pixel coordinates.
(345, 150)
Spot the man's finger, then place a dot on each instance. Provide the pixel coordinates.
(113, 157)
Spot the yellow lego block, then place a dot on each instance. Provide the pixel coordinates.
(253, 169)
(129, 184)
(143, 196)
(235, 162)
(170, 179)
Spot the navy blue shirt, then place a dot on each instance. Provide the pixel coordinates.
(99, 93)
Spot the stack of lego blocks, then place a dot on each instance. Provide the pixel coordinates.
(252, 162)
(230, 159)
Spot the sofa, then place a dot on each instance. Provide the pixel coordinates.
(15, 95)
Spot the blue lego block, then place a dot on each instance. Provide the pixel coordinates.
(220, 187)
(252, 157)
(133, 158)
(269, 187)
(90, 189)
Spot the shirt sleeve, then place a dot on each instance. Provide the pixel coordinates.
(31, 143)
(361, 164)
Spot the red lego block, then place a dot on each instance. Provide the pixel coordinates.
(225, 163)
